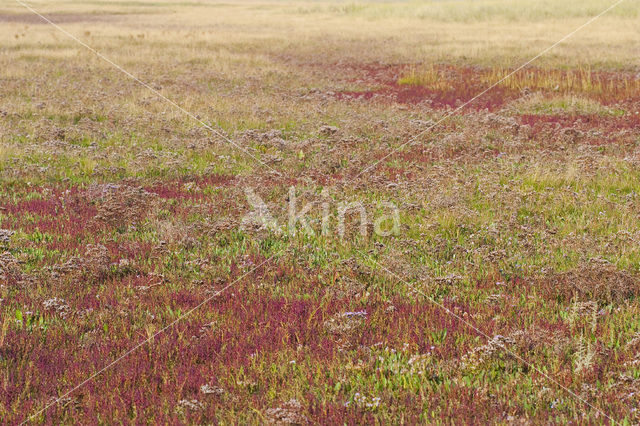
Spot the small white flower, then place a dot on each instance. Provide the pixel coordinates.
(193, 405)
(208, 389)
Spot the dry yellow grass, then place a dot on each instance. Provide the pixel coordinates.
(484, 31)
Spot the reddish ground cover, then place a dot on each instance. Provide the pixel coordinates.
(459, 84)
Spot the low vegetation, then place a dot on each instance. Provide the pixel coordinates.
(508, 292)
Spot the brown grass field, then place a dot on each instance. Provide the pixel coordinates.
(304, 215)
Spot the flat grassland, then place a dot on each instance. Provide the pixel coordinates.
(507, 293)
